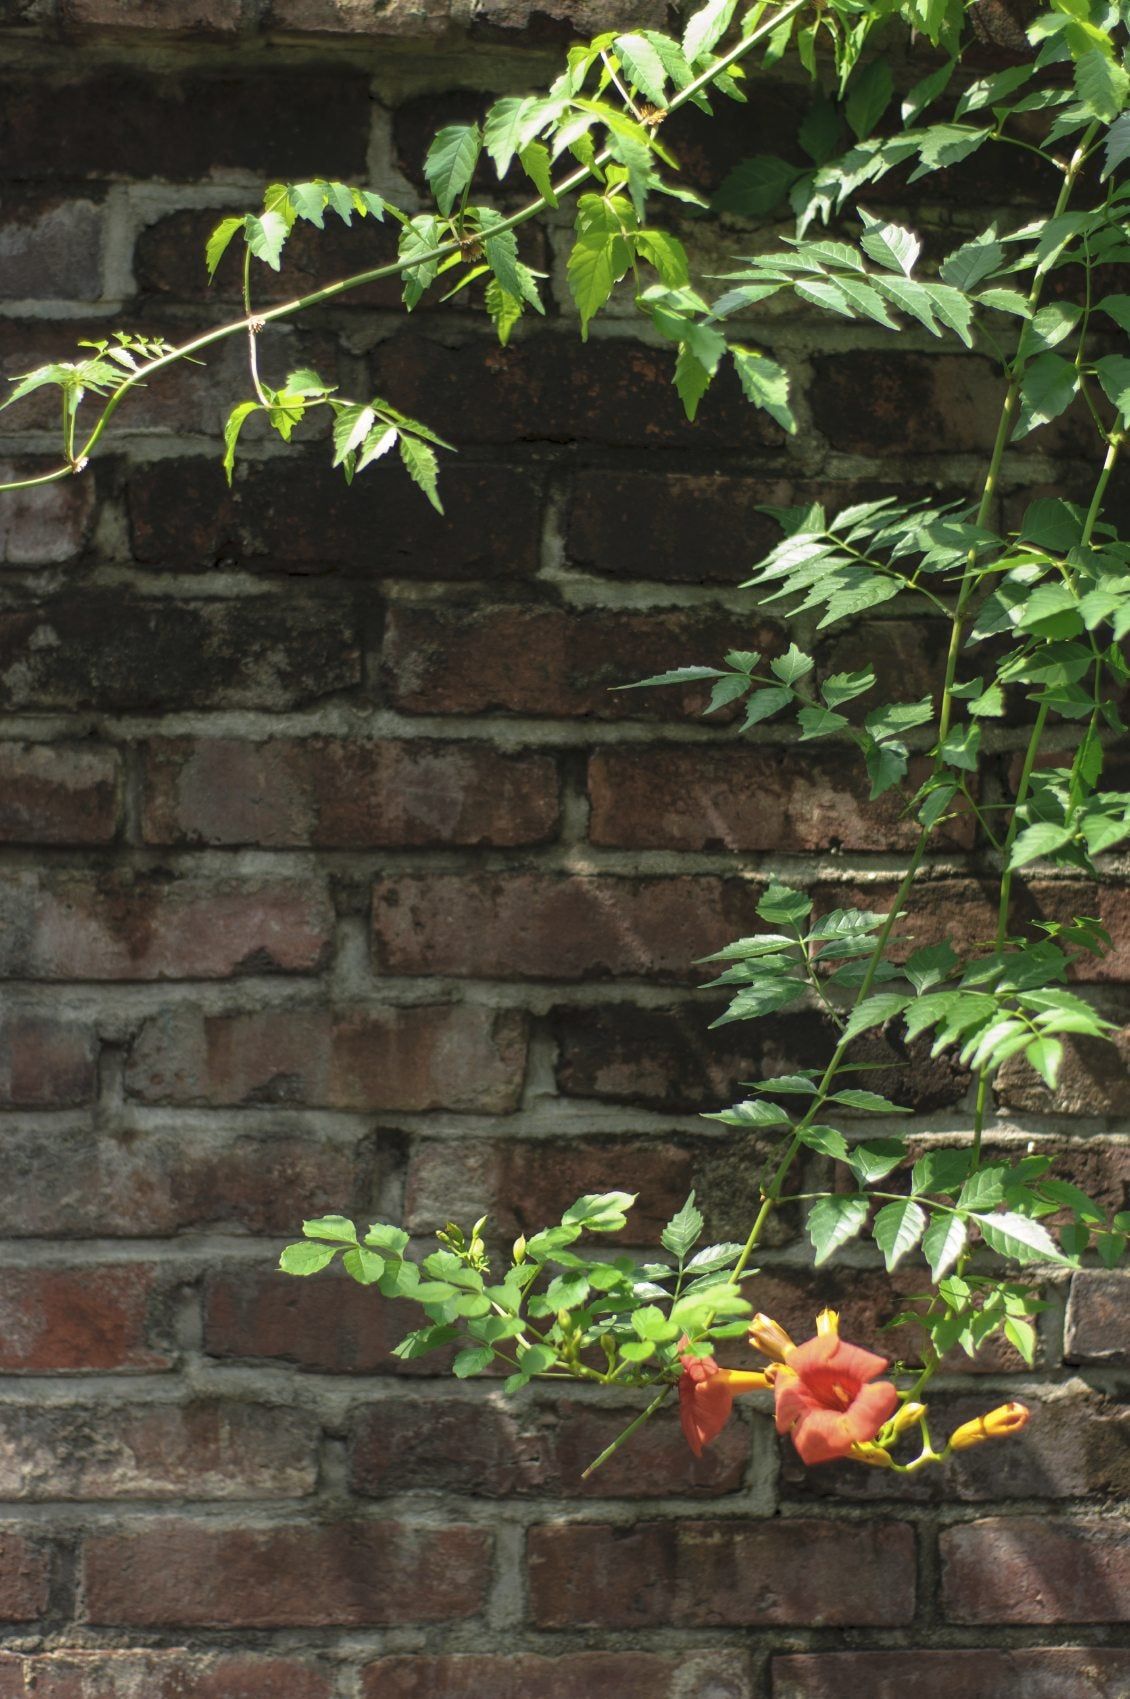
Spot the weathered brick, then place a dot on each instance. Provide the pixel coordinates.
(92, 1317)
(329, 1324)
(72, 926)
(696, 1574)
(58, 793)
(1043, 1672)
(681, 526)
(1077, 1443)
(907, 656)
(526, 1183)
(178, 17)
(579, 1675)
(414, 19)
(503, 1451)
(45, 525)
(206, 1449)
(1097, 1313)
(109, 651)
(530, 658)
(142, 1180)
(745, 798)
(45, 1062)
(329, 792)
(534, 925)
(24, 1577)
(50, 246)
(1027, 1569)
(112, 1674)
(914, 401)
(187, 1575)
(545, 387)
(182, 516)
(666, 1058)
(462, 1056)
(185, 125)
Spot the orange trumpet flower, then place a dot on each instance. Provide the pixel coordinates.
(828, 1398)
(706, 1396)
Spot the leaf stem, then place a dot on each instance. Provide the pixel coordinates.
(644, 1416)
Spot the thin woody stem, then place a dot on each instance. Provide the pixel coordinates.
(626, 1434)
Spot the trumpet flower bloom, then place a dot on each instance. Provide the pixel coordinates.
(706, 1397)
(828, 1397)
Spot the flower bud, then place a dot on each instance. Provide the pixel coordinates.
(770, 1338)
(866, 1452)
(828, 1322)
(904, 1418)
(519, 1250)
(1006, 1419)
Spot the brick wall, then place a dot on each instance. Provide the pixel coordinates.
(334, 878)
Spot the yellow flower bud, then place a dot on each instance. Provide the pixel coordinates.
(519, 1250)
(865, 1452)
(828, 1321)
(905, 1418)
(770, 1338)
(1006, 1419)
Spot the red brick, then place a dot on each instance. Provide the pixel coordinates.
(914, 401)
(554, 926)
(110, 652)
(185, 126)
(688, 1574)
(330, 792)
(1076, 1444)
(908, 658)
(507, 1451)
(182, 516)
(412, 18)
(110, 1674)
(547, 387)
(528, 658)
(665, 1058)
(580, 1675)
(1097, 1313)
(1043, 1672)
(71, 926)
(324, 1323)
(139, 1180)
(563, 20)
(462, 1056)
(526, 1183)
(684, 526)
(94, 1317)
(1093, 1079)
(746, 798)
(207, 1449)
(24, 1577)
(1051, 899)
(178, 17)
(352, 1574)
(58, 793)
(1026, 1569)
(45, 1063)
(46, 525)
(50, 247)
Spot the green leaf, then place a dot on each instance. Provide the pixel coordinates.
(924, 93)
(336, 1227)
(873, 1011)
(843, 687)
(889, 245)
(365, 1267)
(793, 664)
(422, 467)
(351, 425)
(764, 703)
(782, 906)
(599, 1212)
(1101, 84)
(1018, 1237)
(828, 1141)
(218, 242)
(535, 162)
(942, 1244)
(642, 66)
(973, 261)
(765, 384)
(235, 423)
(450, 163)
(1047, 389)
(819, 722)
(1114, 375)
(869, 95)
(706, 28)
(869, 1101)
(384, 1237)
(1046, 1056)
(599, 259)
(940, 1171)
(1043, 839)
(692, 380)
(752, 1113)
(897, 1229)
(832, 1221)
(683, 1231)
(875, 1159)
(1117, 145)
(379, 440)
(713, 1258)
(930, 965)
(307, 1258)
(266, 235)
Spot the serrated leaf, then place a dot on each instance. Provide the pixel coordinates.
(1101, 84)
(218, 242)
(235, 423)
(869, 1101)
(365, 1267)
(1047, 389)
(266, 234)
(869, 95)
(875, 1159)
(897, 1229)
(450, 163)
(752, 1113)
(873, 1011)
(642, 66)
(1116, 148)
(597, 262)
(422, 467)
(683, 1230)
(706, 28)
(972, 262)
(1114, 375)
(379, 440)
(833, 1221)
(692, 380)
(351, 425)
(889, 245)
(1018, 1237)
(336, 1227)
(942, 1244)
(307, 1258)
(714, 1257)
(827, 1141)
(535, 162)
